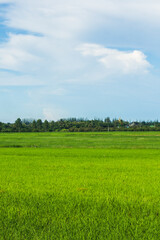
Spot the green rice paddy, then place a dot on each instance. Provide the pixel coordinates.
(75, 186)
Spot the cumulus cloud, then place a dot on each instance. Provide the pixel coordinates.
(53, 30)
(18, 52)
(126, 62)
(53, 113)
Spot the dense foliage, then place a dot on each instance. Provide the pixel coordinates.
(78, 125)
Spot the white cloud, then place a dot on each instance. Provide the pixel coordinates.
(42, 16)
(18, 52)
(117, 61)
(12, 79)
(62, 25)
(53, 114)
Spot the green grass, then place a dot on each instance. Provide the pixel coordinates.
(82, 140)
(80, 186)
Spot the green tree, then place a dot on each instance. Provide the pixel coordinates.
(107, 120)
(39, 125)
(18, 125)
(34, 126)
(46, 126)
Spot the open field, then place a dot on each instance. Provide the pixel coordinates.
(80, 186)
(115, 140)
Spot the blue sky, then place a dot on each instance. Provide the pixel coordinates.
(87, 58)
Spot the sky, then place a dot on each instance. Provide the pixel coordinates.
(85, 59)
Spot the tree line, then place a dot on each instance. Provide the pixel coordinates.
(78, 125)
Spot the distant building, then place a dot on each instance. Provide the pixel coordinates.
(133, 124)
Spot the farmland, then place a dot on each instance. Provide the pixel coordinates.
(80, 186)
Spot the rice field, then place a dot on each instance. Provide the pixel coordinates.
(75, 186)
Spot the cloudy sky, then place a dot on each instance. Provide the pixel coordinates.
(79, 58)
